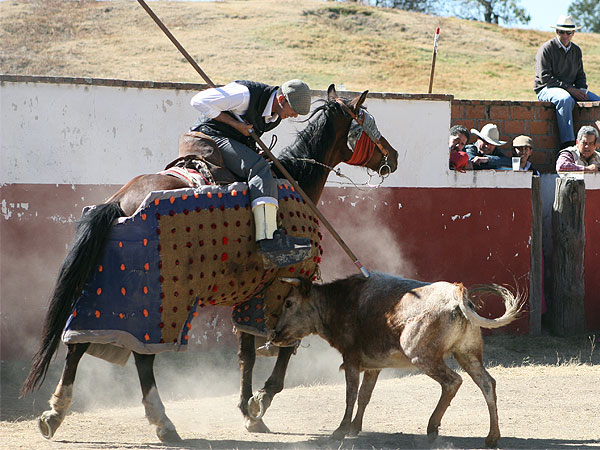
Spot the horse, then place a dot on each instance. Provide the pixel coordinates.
(319, 147)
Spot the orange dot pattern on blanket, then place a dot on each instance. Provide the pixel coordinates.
(210, 256)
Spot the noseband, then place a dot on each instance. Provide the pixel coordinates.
(384, 168)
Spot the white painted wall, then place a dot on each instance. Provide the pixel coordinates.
(80, 134)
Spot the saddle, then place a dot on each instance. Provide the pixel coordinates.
(198, 152)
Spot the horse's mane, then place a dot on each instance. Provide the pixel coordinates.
(312, 142)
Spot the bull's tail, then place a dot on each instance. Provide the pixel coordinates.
(85, 253)
(512, 303)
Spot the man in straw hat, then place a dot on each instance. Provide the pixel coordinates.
(262, 107)
(560, 78)
(484, 154)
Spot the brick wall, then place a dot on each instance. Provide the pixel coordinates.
(535, 119)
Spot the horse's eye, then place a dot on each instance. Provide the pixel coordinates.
(288, 303)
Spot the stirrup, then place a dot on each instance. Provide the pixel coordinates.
(284, 250)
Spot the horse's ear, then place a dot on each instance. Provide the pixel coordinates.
(331, 92)
(360, 100)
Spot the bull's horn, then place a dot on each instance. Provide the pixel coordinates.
(293, 281)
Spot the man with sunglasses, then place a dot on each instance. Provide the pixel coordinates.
(560, 78)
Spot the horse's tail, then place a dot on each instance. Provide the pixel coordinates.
(86, 250)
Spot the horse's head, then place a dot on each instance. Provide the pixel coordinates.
(363, 144)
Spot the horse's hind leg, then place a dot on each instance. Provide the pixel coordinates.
(153, 405)
(60, 401)
(262, 399)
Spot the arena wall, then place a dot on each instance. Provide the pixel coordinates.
(67, 143)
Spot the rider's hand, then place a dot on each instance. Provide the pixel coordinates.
(244, 128)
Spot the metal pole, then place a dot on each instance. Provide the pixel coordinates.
(435, 47)
(262, 146)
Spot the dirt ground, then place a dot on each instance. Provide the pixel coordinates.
(547, 400)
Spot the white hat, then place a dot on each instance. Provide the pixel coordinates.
(565, 23)
(489, 133)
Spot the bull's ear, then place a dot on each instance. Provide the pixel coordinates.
(293, 281)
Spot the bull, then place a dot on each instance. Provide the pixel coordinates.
(388, 321)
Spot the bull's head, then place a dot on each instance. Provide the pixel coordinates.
(298, 315)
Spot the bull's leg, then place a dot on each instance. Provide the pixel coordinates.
(60, 401)
(352, 382)
(246, 359)
(364, 397)
(450, 382)
(262, 399)
(153, 405)
(472, 364)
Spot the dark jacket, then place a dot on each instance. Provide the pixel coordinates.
(496, 158)
(260, 94)
(555, 68)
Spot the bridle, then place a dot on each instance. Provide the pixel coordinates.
(384, 168)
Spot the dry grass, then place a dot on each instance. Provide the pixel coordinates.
(322, 42)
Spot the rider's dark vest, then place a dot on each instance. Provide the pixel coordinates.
(260, 94)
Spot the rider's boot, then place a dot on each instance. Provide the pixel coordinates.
(278, 248)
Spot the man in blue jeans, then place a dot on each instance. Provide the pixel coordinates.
(560, 78)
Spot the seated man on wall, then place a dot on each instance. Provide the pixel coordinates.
(484, 154)
(582, 157)
(459, 136)
(523, 148)
(560, 78)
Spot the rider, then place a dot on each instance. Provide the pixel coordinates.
(261, 108)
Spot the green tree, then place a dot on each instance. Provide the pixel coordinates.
(491, 11)
(587, 14)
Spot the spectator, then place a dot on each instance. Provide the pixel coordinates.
(459, 136)
(523, 148)
(484, 154)
(560, 78)
(582, 157)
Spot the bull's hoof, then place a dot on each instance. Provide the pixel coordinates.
(432, 433)
(255, 426)
(258, 404)
(48, 423)
(491, 441)
(353, 432)
(168, 435)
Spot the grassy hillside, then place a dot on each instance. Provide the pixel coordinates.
(272, 40)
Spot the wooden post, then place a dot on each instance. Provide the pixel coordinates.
(535, 274)
(567, 308)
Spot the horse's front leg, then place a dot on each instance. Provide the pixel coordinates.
(246, 359)
(153, 405)
(60, 401)
(262, 399)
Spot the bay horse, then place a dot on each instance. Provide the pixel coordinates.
(319, 147)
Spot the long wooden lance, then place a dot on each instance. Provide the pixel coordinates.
(262, 146)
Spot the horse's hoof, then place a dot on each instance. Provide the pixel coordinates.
(169, 435)
(48, 423)
(256, 426)
(258, 405)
